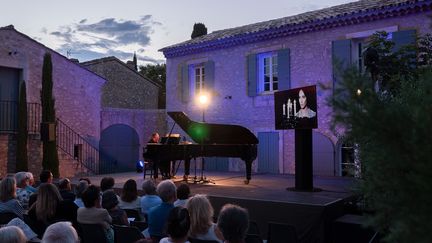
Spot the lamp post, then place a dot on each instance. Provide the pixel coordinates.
(203, 101)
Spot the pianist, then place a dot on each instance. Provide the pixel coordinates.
(163, 166)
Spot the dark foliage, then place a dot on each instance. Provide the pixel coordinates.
(199, 29)
(22, 133)
(157, 73)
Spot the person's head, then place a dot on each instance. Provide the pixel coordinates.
(7, 189)
(47, 200)
(201, 214)
(91, 197)
(109, 200)
(12, 234)
(64, 184)
(22, 180)
(302, 99)
(31, 178)
(155, 137)
(85, 179)
(233, 222)
(106, 183)
(46, 176)
(183, 191)
(178, 223)
(130, 192)
(60, 232)
(80, 188)
(167, 191)
(149, 187)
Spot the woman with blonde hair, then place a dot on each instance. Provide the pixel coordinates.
(50, 207)
(8, 201)
(201, 217)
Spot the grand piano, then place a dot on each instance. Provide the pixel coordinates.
(211, 140)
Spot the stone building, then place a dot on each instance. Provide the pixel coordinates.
(244, 66)
(76, 90)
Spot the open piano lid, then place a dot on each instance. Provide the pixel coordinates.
(207, 133)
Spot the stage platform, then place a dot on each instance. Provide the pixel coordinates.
(268, 200)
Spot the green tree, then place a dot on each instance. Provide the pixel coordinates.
(199, 29)
(135, 62)
(22, 133)
(392, 128)
(157, 73)
(50, 159)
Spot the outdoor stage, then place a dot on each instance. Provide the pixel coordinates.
(268, 200)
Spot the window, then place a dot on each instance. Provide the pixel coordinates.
(197, 74)
(358, 48)
(267, 72)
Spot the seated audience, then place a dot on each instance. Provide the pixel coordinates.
(183, 193)
(12, 234)
(201, 216)
(8, 201)
(158, 215)
(150, 198)
(107, 183)
(129, 198)
(92, 213)
(85, 179)
(66, 189)
(45, 177)
(233, 222)
(22, 192)
(110, 203)
(49, 208)
(80, 188)
(30, 186)
(60, 232)
(177, 226)
(28, 232)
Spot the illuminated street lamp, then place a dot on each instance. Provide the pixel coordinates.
(203, 100)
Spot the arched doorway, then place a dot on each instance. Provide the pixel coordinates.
(323, 155)
(119, 146)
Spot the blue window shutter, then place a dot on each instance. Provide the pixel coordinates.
(402, 38)
(284, 69)
(252, 74)
(209, 68)
(341, 58)
(185, 83)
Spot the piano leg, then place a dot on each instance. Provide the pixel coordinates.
(248, 171)
(186, 168)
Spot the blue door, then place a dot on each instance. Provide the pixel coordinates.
(119, 148)
(9, 87)
(268, 152)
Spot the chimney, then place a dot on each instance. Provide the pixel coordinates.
(131, 64)
(74, 60)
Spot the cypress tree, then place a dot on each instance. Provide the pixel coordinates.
(135, 62)
(199, 29)
(21, 158)
(50, 159)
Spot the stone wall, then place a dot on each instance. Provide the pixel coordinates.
(145, 122)
(311, 64)
(125, 88)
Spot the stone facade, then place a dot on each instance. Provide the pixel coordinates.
(76, 90)
(125, 87)
(145, 122)
(311, 64)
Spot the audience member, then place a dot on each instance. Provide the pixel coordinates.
(50, 207)
(66, 189)
(183, 192)
(177, 226)
(107, 183)
(201, 216)
(158, 215)
(85, 179)
(129, 198)
(233, 222)
(150, 198)
(80, 188)
(60, 232)
(8, 201)
(110, 203)
(44, 177)
(28, 232)
(92, 213)
(12, 234)
(30, 186)
(22, 193)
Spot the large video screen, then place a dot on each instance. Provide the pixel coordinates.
(296, 108)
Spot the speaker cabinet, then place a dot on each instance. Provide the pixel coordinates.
(48, 131)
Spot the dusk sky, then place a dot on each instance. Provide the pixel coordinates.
(90, 29)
